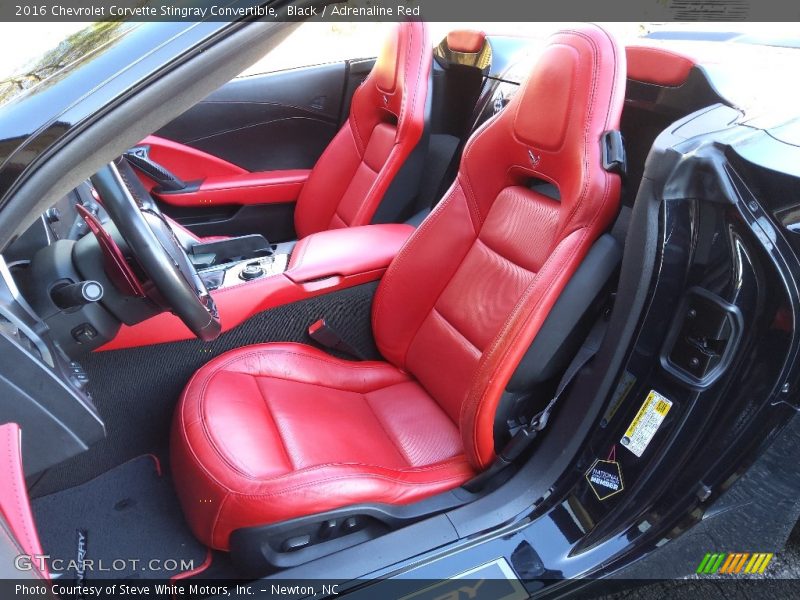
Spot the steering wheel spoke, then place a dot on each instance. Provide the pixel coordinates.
(156, 249)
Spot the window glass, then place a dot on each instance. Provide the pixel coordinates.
(314, 43)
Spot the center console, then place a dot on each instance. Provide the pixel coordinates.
(319, 263)
(229, 274)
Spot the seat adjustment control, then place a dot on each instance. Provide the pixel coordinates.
(296, 543)
(327, 529)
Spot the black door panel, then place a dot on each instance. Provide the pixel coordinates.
(274, 221)
(284, 142)
(280, 120)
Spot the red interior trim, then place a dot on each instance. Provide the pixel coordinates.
(658, 65)
(334, 262)
(14, 502)
(244, 188)
(346, 252)
(466, 40)
(188, 163)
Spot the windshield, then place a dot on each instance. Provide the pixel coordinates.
(42, 50)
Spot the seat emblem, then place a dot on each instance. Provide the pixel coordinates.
(535, 159)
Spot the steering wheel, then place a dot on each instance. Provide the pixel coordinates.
(156, 248)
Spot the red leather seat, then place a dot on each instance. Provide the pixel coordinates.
(275, 431)
(387, 118)
(386, 123)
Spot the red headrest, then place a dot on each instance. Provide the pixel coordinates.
(466, 40)
(386, 66)
(658, 65)
(401, 70)
(552, 127)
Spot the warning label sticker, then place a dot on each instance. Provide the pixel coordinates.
(646, 423)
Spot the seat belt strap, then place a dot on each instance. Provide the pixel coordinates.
(586, 353)
(525, 435)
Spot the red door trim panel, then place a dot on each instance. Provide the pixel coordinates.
(265, 187)
(188, 163)
(14, 503)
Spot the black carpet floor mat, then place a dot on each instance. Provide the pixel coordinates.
(128, 520)
(136, 389)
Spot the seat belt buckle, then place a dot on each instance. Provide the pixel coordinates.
(517, 444)
(523, 437)
(539, 422)
(327, 336)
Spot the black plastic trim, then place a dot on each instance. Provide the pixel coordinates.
(737, 325)
(551, 348)
(269, 548)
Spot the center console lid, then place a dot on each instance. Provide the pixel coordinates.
(346, 252)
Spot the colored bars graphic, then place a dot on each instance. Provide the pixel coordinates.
(734, 563)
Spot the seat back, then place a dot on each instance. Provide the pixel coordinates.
(386, 122)
(467, 294)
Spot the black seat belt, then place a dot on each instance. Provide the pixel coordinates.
(524, 436)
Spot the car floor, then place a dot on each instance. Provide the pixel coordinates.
(129, 513)
(135, 390)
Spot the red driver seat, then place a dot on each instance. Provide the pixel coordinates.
(276, 431)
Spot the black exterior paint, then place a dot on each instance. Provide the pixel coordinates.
(722, 472)
(34, 124)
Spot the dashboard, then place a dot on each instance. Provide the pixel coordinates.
(43, 390)
(66, 290)
(43, 386)
(59, 222)
(63, 220)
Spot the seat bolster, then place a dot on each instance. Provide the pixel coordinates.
(385, 124)
(328, 182)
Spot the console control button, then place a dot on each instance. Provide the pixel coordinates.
(77, 375)
(251, 271)
(295, 543)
